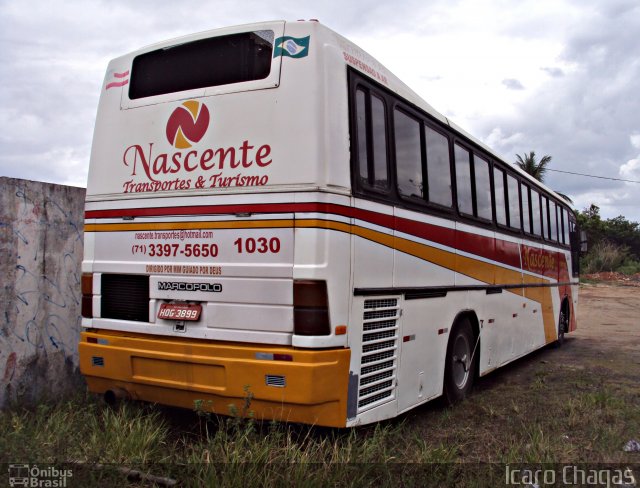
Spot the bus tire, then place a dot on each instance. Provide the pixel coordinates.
(460, 368)
(563, 324)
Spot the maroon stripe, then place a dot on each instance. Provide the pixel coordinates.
(497, 250)
(507, 252)
(191, 210)
(435, 233)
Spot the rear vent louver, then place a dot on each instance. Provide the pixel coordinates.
(379, 353)
(275, 380)
(125, 297)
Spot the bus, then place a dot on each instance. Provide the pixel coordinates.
(273, 217)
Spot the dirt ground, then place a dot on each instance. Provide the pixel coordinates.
(608, 320)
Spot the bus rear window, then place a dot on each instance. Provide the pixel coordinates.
(215, 61)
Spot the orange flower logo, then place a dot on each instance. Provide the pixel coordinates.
(187, 124)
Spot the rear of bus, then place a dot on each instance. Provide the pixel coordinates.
(206, 255)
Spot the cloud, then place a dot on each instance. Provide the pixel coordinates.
(579, 63)
(512, 84)
(583, 119)
(554, 72)
(631, 169)
(499, 141)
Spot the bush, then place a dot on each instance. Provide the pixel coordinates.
(605, 256)
(629, 267)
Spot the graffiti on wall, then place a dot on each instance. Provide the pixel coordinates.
(41, 244)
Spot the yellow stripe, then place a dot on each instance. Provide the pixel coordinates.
(542, 296)
(476, 269)
(479, 270)
(324, 224)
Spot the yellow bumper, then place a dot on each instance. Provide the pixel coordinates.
(179, 372)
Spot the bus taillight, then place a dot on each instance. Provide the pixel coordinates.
(87, 295)
(310, 308)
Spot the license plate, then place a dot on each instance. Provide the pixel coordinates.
(177, 311)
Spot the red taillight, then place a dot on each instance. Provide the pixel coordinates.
(87, 283)
(268, 356)
(87, 295)
(310, 308)
(282, 357)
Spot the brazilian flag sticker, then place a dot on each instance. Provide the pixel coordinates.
(294, 47)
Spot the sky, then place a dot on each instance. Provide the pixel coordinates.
(558, 77)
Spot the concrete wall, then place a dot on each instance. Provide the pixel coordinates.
(41, 252)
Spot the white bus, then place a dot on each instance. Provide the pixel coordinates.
(271, 212)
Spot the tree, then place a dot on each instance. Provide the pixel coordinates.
(614, 244)
(589, 220)
(537, 169)
(529, 164)
(566, 197)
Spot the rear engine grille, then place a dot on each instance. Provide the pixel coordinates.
(377, 377)
(379, 314)
(379, 353)
(372, 358)
(125, 297)
(387, 302)
(377, 346)
(387, 365)
(378, 325)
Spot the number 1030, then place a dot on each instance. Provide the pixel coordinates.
(261, 245)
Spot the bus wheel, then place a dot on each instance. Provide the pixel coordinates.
(460, 367)
(563, 325)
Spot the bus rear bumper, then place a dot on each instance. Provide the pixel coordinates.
(281, 383)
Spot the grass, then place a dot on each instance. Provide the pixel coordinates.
(536, 411)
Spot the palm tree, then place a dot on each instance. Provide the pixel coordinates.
(565, 196)
(529, 165)
(536, 169)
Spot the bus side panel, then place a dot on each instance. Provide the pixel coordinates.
(420, 260)
(424, 335)
(323, 252)
(373, 245)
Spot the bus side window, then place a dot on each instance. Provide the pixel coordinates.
(565, 226)
(574, 239)
(361, 124)
(498, 185)
(545, 218)
(408, 156)
(483, 188)
(379, 136)
(372, 140)
(535, 213)
(463, 180)
(438, 168)
(514, 202)
(526, 215)
(553, 215)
